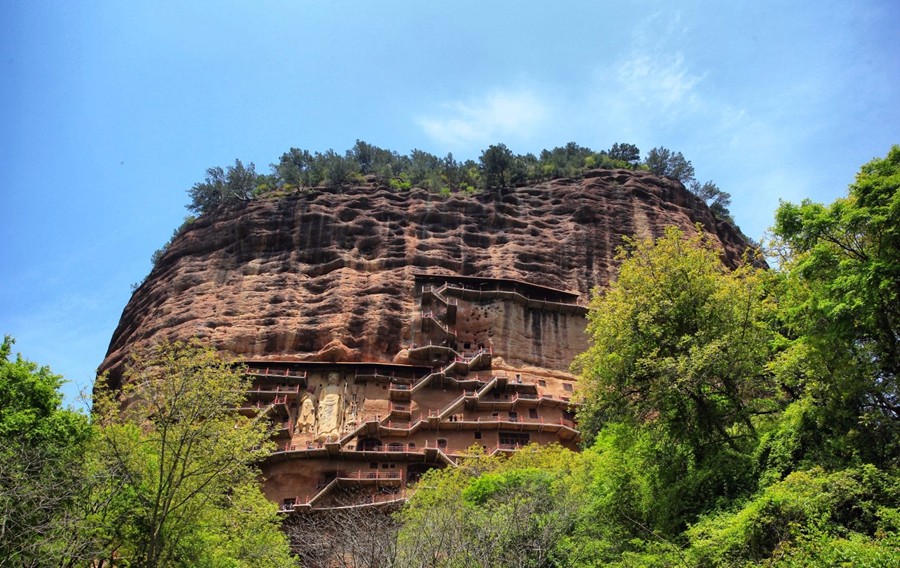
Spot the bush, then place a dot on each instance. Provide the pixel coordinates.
(808, 514)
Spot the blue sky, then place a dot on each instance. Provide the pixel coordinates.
(110, 111)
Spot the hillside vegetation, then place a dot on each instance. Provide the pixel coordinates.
(496, 170)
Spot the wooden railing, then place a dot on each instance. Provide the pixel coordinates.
(268, 372)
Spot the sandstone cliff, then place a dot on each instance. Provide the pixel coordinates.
(327, 276)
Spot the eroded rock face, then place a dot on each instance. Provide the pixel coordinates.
(328, 276)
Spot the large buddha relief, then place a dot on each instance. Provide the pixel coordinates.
(330, 413)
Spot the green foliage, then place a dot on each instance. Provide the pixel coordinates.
(375, 160)
(30, 402)
(266, 184)
(717, 200)
(223, 187)
(497, 168)
(241, 531)
(401, 183)
(297, 168)
(809, 515)
(41, 464)
(615, 486)
(664, 162)
(366, 156)
(565, 161)
(824, 464)
(338, 170)
(679, 344)
(489, 512)
(786, 446)
(422, 167)
(178, 464)
(842, 268)
(496, 163)
(628, 153)
(638, 493)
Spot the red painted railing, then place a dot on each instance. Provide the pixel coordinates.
(371, 475)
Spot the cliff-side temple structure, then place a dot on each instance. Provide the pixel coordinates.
(358, 433)
(387, 332)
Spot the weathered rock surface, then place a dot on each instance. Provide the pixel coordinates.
(328, 275)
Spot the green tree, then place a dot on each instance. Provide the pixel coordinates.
(532, 167)
(240, 182)
(490, 511)
(635, 492)
(664, 162)
(624, 152)
(841, 268)
(207, 194)
(365, 155)
(296, 169)
(518, 171)
(848, 517)
(178, 457)
(565, 161)
(679, 343)
(372, 159)
(744, 417)
(422, 167)
(41, 468)
(470, 176)
(337, 170)
(496, 162)
(234, 184)
(451, 171)
(718, 201)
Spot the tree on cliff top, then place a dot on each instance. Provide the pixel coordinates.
(664, 162)
(234, 184)
(496, 162)
(625, 152)
(717, 200)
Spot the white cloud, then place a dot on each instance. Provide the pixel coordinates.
(496, 116)
(644, 95)
(657, 83)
